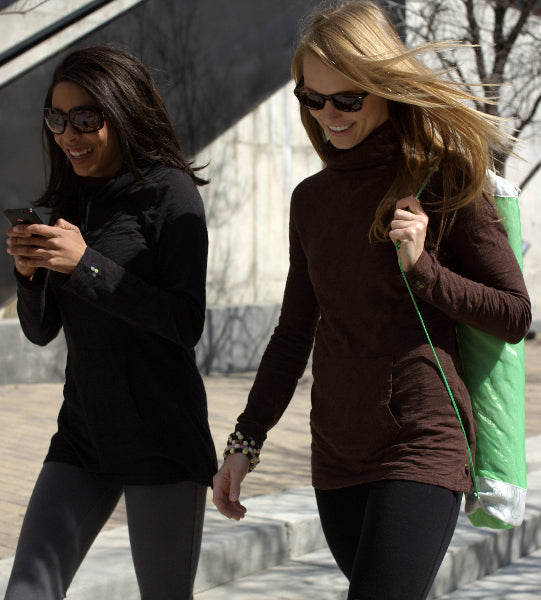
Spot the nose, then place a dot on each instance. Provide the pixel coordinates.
(70, 131)
(329, 110)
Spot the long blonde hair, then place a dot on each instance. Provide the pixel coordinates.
(432, 116)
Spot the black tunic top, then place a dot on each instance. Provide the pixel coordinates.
(132, 310)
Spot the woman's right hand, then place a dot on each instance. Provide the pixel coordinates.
(16, 237)
(226, 486)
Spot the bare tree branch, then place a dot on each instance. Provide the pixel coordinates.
(504, 45)
(475, 36)
(529, 118)
(505, 65)
(533, 172)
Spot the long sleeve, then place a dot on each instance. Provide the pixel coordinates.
(287, 353)
(489, 293)
(37, 309)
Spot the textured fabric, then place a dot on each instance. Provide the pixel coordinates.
(132, 311)
(389, 538)
(379, 407)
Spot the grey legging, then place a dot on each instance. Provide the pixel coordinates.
(69, 507)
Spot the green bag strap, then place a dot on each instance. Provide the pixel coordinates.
(453, 402)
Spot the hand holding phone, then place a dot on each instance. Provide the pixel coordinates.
(25, 216)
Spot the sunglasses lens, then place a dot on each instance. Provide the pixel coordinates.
(54, 120)
(347, 103)
(87, 119)
(312, 100)
(343, 102)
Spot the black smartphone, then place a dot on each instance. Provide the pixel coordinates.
(22, 215)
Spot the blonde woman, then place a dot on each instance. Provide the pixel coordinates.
(389, 460)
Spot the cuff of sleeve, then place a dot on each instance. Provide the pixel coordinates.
(88, 274)
(37, 281)
(420, 276)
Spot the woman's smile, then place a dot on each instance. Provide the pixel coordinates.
(95, 154)
(344, 129)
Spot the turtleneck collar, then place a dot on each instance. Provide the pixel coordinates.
(381, 146)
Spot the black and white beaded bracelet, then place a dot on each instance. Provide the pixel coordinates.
(239, 443)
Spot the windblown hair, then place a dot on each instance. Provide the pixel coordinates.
(123, 88)
(432, 116)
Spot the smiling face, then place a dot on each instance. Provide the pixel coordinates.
(343, 129)
(94, 154)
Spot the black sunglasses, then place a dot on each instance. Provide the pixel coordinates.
(84, 119)
(343, 102)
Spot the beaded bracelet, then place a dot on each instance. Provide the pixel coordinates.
(237, 442)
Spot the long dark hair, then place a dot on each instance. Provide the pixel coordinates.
(123, 88)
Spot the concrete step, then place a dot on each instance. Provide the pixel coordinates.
(279, 548)
(316, 576)
(477, 559)
(518, 581)
(313, 576)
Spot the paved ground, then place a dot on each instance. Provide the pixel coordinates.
(28, 414)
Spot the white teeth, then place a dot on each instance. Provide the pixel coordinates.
(339, 129)
(80, 153)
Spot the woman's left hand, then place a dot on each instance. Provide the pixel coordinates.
(409, 228)
(58, 248)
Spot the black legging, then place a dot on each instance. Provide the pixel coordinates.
(69, 507)
(389, 538)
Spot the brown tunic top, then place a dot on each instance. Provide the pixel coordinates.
(379, 406)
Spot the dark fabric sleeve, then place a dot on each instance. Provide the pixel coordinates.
(287, 353)
(489, 293)
(36, 306)
(174, 309)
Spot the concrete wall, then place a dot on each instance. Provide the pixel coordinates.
(253, 169)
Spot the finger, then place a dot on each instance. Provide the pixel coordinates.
(231, 510)
(412, 204)
(220, 497)
(39, 229)
(18, 231)
(28, 263)
(234, 485)
(31, 246)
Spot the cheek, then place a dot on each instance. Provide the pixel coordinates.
(318, 117)
(112, 148)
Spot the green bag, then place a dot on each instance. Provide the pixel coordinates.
(495, 377)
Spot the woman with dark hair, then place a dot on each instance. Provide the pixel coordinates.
(121, 268)
(389, 459)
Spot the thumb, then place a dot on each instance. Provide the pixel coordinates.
(234, 487)
(63, 224)
(239, 465)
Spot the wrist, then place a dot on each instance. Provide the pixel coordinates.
(238, 443)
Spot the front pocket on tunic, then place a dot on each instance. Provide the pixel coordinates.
(350, 405)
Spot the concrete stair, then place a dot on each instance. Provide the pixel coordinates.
(278, 551)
